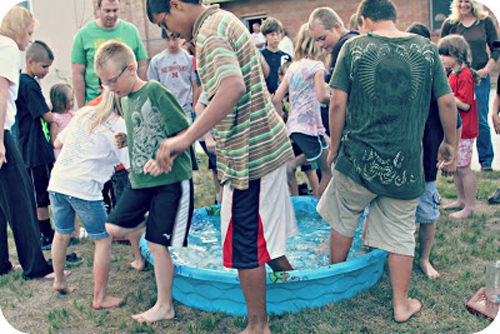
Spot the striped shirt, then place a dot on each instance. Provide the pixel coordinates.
(252, 139)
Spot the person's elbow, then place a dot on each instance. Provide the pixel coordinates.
(237, 86)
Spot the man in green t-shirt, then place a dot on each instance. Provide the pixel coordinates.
(107, 26)
(382, 87)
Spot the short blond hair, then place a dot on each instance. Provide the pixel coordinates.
(16, 22)
(326, 17)
(113, 52)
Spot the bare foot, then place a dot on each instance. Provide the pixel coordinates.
(465, 213)
(428, 270)
(250, 331)
(156, 313)
(138, 264)
(51, 276)
(107, 302)
(63, 289)
(412, 308)
(454, 206)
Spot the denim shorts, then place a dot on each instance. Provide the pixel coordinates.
(428, 204)
(92, 214)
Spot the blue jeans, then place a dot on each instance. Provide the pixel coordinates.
(483, 143)
(92, 214)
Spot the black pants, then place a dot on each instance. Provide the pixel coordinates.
(17, 206)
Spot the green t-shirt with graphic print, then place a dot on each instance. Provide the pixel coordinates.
(151, 115)
(389, 82)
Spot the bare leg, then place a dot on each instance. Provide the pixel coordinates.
(134, 238)
(460, 202)
(292, 184)
(400, 268)
(218, 188)
(326, 173)
(58, 252)
(102, 255)
(253, 283)
(339, 247)
(312, 178)
(280, 264)
(469, 188)
(426, 237)
(42, 213)
(164, 275)
(292, 166)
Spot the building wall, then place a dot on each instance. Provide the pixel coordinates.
(294, 13)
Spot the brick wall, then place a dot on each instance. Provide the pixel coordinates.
(296, 12)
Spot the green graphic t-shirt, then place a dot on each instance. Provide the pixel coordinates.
(151, 115)
(390, 82)
(87, 41)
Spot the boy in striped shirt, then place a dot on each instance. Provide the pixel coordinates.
(252, 145)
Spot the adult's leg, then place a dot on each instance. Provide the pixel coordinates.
(164, 275)
(426, 237)
(400, 267)
(253, 284)
(18, 206)
(483, 143)
(339, 247)
(5, 264)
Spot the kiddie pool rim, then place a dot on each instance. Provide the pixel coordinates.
(220, 291)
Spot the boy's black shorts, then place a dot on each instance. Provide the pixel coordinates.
(170, 210)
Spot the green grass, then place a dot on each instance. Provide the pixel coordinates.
(461, 251)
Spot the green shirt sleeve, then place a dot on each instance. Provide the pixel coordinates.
(77, 52)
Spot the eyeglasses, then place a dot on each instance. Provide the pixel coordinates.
(113, 81)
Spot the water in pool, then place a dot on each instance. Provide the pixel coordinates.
(308, 249)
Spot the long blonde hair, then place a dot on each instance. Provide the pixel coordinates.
(109, 109)
(16, 22)
(306, 47)
(477, 10)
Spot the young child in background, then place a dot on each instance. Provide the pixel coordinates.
(272, 29)
(456, 57)
(85, 163)
(151, 114)
(34, 145)
(308, 169)
(305, 83)
(174, 68)
(62, 99)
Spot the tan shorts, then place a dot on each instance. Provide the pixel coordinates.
(391, 226)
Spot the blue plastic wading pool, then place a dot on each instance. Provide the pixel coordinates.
(220, 291)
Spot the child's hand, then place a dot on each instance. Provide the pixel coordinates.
(3, 159)
(120, 140)
(496, 122)
(151, 167)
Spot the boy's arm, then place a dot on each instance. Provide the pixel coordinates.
(265, 66)
(494, 114)
(196, 92)
(448, 117)
(78, 71)
(142, 69)
(53, 132)
(58, 143)
(338, 105)
(48, 117)
(4, 89)
(230, 91)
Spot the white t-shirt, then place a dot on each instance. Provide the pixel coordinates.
(286, 45)
(176, 72)
(87, 160)
(10, 58)
(258, 38)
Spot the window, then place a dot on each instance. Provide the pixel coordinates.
(439, 11)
